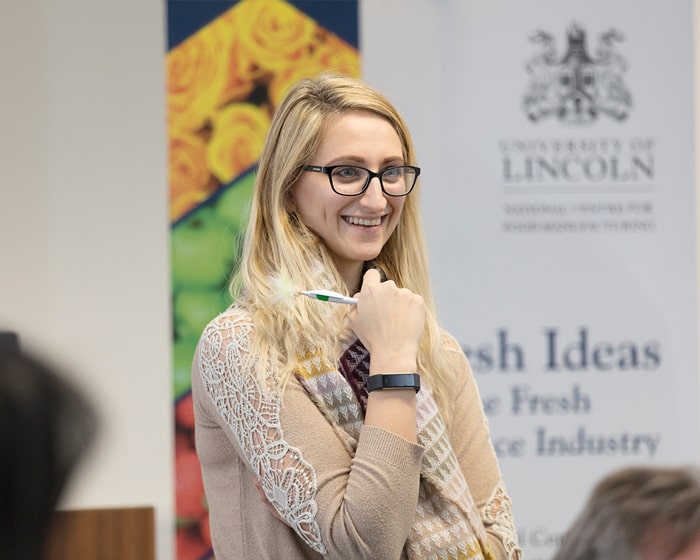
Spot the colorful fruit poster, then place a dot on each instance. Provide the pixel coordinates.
(228, 66)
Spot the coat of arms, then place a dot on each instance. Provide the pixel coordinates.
(577, 87)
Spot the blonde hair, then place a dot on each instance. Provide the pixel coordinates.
(279, 250)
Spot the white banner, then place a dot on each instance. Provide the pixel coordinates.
(560, 202)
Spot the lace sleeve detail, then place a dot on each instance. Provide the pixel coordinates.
(498, 518)
(253, 416)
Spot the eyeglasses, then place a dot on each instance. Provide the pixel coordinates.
(351, 180)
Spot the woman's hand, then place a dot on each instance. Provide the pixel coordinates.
(389, 321)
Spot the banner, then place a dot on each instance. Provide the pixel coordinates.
(229, 64)
(563, 238)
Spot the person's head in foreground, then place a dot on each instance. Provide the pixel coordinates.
(46, 425)
(638, 513)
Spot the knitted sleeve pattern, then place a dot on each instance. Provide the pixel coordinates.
(232, 382)
(498, 517)
(495, 506)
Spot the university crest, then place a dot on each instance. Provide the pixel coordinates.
(577, 87)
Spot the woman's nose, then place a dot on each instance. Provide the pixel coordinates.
(373, 197)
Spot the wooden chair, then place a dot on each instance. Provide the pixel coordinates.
(102, 534)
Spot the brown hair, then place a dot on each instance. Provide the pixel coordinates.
(631, 506)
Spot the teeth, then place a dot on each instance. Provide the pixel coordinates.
(363, 222)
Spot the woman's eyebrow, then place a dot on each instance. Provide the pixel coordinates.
(358, 160)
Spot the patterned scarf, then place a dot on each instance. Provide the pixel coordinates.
(447, 525)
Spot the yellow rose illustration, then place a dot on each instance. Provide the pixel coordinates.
(238, 135)
(335, 55)
(189, 171)
(196, 74)
(274, 33)
(184, 202)
(329, 55)
(239, 68)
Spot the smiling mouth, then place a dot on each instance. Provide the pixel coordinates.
(362, 221)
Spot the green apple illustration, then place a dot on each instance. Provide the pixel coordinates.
(183, 353)
(193, 309)
(233, 205)
(202, 250)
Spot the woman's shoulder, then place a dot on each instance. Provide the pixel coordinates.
(234, 322)
(453, 352)
(225, 343)
(449, 342)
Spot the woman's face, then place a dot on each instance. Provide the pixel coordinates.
(353, 228)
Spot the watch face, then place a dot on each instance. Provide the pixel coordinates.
(393, 381)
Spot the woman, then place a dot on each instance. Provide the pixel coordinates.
(299, 459)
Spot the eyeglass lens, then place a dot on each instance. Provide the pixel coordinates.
(351, 180)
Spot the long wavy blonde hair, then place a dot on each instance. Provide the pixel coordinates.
(280, 252)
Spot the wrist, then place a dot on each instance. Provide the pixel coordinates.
(393, 381)
(399, 364)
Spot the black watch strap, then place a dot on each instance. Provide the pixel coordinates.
(393, 381)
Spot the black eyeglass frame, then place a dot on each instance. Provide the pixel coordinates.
(370, 175)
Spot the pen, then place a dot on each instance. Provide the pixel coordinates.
(327, 295)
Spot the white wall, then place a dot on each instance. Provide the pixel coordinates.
(84, 272)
